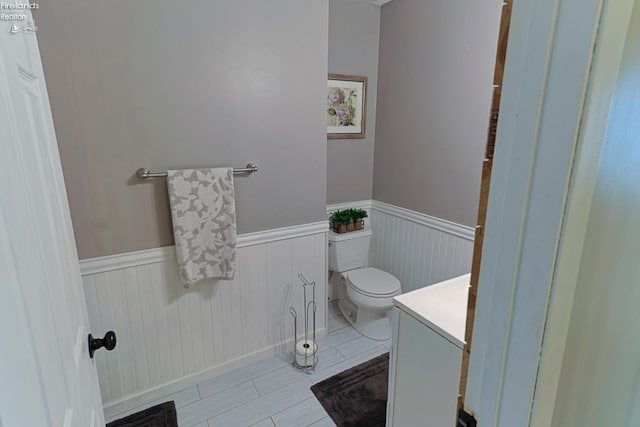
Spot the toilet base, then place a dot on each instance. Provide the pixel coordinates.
(372, 324)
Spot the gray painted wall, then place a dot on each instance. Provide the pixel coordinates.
(200, 84)
(354, 30)
(435, 85)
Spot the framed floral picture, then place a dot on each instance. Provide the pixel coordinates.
(346, 106)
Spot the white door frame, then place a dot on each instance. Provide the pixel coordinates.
(543, 178)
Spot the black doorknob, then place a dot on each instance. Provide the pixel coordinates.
(108, 342)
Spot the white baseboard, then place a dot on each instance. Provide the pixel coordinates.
(113, 410)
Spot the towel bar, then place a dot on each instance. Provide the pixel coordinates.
(144, 173)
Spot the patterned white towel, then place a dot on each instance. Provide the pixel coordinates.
(204, 223)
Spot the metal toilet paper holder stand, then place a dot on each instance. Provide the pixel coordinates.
(305, 352)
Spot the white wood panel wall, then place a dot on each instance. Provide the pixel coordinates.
(169, 337)
(418, 249)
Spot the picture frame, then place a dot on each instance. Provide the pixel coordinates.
(346, 106)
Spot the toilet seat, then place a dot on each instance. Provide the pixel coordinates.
(373, 283)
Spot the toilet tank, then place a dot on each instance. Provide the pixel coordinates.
(348, 251)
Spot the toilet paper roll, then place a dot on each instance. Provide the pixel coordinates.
(306, 352)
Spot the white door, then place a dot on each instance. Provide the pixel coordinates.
(46, 375)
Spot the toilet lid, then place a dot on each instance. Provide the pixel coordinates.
(373, 281)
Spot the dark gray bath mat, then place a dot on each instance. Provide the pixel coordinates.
(162, 415)
(357, 397)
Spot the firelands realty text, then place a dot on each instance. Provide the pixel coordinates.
(12, 11)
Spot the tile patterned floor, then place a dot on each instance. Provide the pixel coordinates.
(270, 393)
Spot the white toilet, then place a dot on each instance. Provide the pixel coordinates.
(365, 294)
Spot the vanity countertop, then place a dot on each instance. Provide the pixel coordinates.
(442, 307)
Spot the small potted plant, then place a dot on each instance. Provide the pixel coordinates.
(340, 220)
(349, 213)
(358, 216)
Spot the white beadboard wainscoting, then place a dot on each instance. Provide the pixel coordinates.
(418, 249)
(170, 337)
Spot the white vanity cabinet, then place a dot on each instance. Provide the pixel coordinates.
(426, 358)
